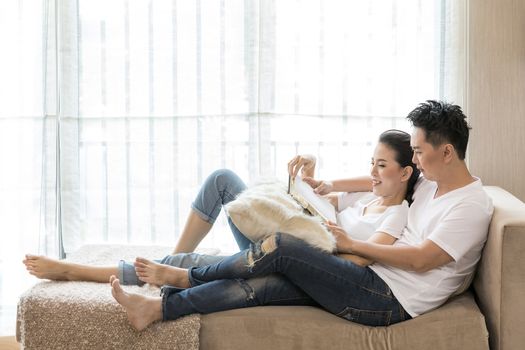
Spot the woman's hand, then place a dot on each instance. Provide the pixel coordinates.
(356, 259)
(305, 162)
(320, 187)
(343, 241)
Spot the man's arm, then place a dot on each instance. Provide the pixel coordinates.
(420, 258)
(377, 238)
(463, 228)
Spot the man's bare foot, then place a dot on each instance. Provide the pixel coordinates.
(151, 272)
(141, 310)
(44, 267)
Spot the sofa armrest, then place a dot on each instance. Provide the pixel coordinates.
(500, 279)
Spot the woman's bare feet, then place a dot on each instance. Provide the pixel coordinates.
(44, 267)
(141, 310)
(151, 272)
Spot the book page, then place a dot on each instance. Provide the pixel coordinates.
(322, 206)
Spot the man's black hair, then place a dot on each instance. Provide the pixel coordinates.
(443, 123)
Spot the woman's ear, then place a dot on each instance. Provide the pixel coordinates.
(407, 173)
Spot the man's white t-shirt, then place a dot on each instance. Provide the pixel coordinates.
(458, 223)
(350, 216)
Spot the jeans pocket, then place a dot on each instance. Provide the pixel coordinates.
(366, 317)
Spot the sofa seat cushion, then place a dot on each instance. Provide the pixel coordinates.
(458, 324)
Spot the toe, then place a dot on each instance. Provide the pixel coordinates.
(139, 265)
(142, 260)
(115, 284)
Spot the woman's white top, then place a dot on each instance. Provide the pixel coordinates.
(350, 216)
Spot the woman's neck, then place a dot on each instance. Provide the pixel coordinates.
(388, 201)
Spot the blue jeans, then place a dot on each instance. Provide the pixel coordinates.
(339, 286)
(221, 187)
(293, 273)
(128, 276)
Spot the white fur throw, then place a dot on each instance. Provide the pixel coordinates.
(266, 208)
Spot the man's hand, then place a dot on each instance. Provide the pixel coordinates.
(342, 240)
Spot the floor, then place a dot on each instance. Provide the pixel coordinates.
(14, 280)
(8, 343)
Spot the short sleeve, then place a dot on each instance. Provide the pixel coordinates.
(454, 236)
(395, 220)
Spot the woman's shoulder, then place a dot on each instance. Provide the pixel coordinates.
(353, 199)
(399, 209)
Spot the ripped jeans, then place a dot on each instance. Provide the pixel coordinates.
(283, 270)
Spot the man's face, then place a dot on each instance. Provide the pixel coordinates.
(429, 160)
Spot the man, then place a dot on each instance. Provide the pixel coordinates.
(438, 251)
(447, 222)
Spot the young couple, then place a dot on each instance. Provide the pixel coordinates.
(393, 261)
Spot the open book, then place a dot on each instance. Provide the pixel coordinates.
(311, 201)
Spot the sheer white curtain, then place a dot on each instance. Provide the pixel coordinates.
(148, 97)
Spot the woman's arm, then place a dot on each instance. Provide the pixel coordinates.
(354, 184)
(306, 164)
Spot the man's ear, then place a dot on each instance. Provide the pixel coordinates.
(448, 152)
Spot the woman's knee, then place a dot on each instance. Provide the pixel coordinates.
(223, 176)
(226, 182)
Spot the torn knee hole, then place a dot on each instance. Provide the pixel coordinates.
(269, 244)
(260, 250)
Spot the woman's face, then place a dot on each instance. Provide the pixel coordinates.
(388, 177)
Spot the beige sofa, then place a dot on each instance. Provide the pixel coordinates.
(491, 313)
(82, 315)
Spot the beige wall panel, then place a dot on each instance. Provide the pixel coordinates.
(496, 92)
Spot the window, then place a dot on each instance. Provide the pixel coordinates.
(120, 109)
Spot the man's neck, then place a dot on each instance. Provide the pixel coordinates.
(458, 176)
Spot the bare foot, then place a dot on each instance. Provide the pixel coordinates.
(141, 310)
(151, 272)
(44, 267)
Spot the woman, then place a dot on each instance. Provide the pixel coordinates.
(384, 218)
